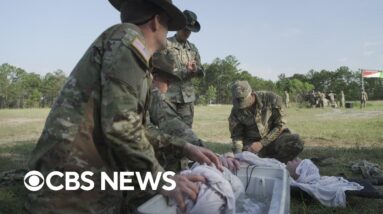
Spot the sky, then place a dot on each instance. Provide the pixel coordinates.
(268, 37)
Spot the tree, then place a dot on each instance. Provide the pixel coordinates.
(51, 86)
(210, 94)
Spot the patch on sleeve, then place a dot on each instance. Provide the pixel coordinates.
(138, 45)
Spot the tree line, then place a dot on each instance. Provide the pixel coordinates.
(220, 74)
(20, 89)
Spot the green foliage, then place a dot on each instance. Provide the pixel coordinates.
(19, 89)
(211, 94)
(220, 75)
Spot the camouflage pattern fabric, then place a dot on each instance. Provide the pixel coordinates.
(321, 99)
(182, 93)
(287, 99)
(342, 99)
(98, 124)
(163, 115)
(367, 169)
(285, 148)
(363, 99)
(264, 121)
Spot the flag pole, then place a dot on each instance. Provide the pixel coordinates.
(361, 78)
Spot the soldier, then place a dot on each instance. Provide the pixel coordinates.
(256, 122)
(363, 99)
(321, 99)
(342, 100)
(98, 121)
(287, 99)
(164, 116)
(331, 95)
(188, 66)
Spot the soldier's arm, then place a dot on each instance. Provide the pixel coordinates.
(200, 71)
(236, 133)
(120, 118)
(186, 74)
(277, 121)
(161, 141)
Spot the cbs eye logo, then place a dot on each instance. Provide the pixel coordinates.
(34, 181)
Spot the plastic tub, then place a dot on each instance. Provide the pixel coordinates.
(266, 184)
(269, 185)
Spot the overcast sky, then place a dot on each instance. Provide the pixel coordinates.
(268, 37)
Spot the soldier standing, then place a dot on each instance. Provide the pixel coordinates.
(98, 121)
(321, 99)
(363, 99)
(342, 100)
(188, 66)
(331, 95)
(287, 99)
(164, 116)
(257, 121)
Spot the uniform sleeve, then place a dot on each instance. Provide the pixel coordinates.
(121, 115)
(164, 142)
(200, 71)
(185, 74)
(236, 133)
(277, 122)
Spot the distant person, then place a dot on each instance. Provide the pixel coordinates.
(322, 99)
(257, 120)
(331, 96)
(188, 66)
(363, 99)
(287, 99)
(342, 100)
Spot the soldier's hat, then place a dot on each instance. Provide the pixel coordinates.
(191, 21)
(139, 11)
(163, 64)
(241, 91)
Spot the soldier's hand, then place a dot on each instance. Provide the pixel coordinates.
(191, 66)
(186, 186)
(255, 147)
(202, 155)
(229, 162)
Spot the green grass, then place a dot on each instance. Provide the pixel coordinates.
(343, 134)
(21, 124)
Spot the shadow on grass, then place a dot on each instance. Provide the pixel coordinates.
(13, 192)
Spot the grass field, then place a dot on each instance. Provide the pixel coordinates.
(343, 134)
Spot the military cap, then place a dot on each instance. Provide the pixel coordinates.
(163, 64)
(139, 11)
(191, 21)
(241, 91)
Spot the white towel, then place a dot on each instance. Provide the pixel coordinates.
(329, 190)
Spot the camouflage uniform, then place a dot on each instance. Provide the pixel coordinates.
(342, 99)
(321, 99)
(264, 121)
(363, 99)
(164, 116)
(287, 99)
(163, 113)
(182, 93)
(97, 124)
(332, 99)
